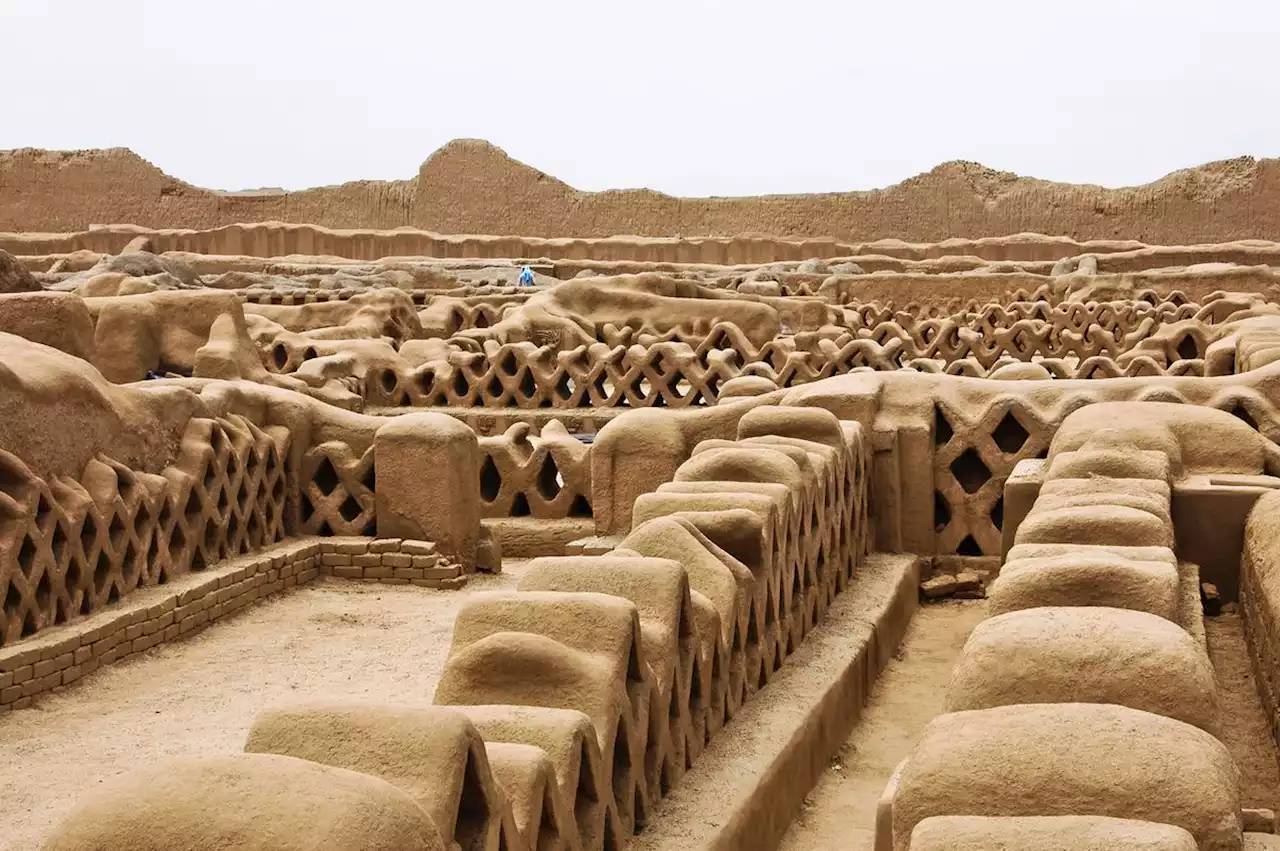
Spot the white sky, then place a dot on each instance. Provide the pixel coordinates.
(691, 97)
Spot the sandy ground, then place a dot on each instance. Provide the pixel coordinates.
(839, 815)
(348, 640)
(1244, 723)
(199, 696)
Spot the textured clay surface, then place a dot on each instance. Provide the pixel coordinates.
(470, 186)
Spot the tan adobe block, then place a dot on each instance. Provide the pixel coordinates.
(367, 560)
(349, 546)
(335, 559)
(418, 548)
(385, 545)
(397, 560)
(60, 647)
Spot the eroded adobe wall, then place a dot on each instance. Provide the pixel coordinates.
(473, 187)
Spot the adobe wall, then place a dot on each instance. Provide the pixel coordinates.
(472, 187)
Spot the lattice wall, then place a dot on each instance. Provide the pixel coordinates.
(1069, 340)
(337, 492)
(976, 450)
(547, 477)
(69, 547)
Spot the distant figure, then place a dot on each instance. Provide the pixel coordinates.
(526, 277)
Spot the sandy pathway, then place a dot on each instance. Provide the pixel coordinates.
(330, 640)
(1244, 723)
(839, 814)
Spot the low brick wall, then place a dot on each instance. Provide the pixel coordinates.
(60, 656)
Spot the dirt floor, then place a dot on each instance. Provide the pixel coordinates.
(839, 814)
(330, 640)
(351, 640)
(1244, 723)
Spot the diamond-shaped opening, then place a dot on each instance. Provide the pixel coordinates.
(43, 589)
(495, 388)
(101, 571)
(350, 509)
(1009, 435)
(520, 506)
(177, 543)
(942, 431)
(27, 555)
(580, 507)
(165, 514)
(460, 386)
(113, 596)
(508, 363)
(997, 514)
(277, 490)
(1240, 413)
(233, 465)
(197, 561)
(482, 319)
(941, 511)
(325, 529)
(273, 459)
(223, 502)
(71, 581)
(130, 566)
(209, 476)
(86, 604)
(305, 508)
(59, 612)
(549, 480)
(216, 439)
(490, 480)
(211, 539)
(192, 509)
(326, 477)
(88, 534)
(1187, 348)
(425, 380)
(564, 387)
(969, 547)
(387, 381)
(116, 532)
(528, 387)
(254, 529)
(970, 471)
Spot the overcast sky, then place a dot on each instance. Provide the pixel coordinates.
(691, 97)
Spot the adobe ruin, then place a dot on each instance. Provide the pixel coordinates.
(680, 490)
